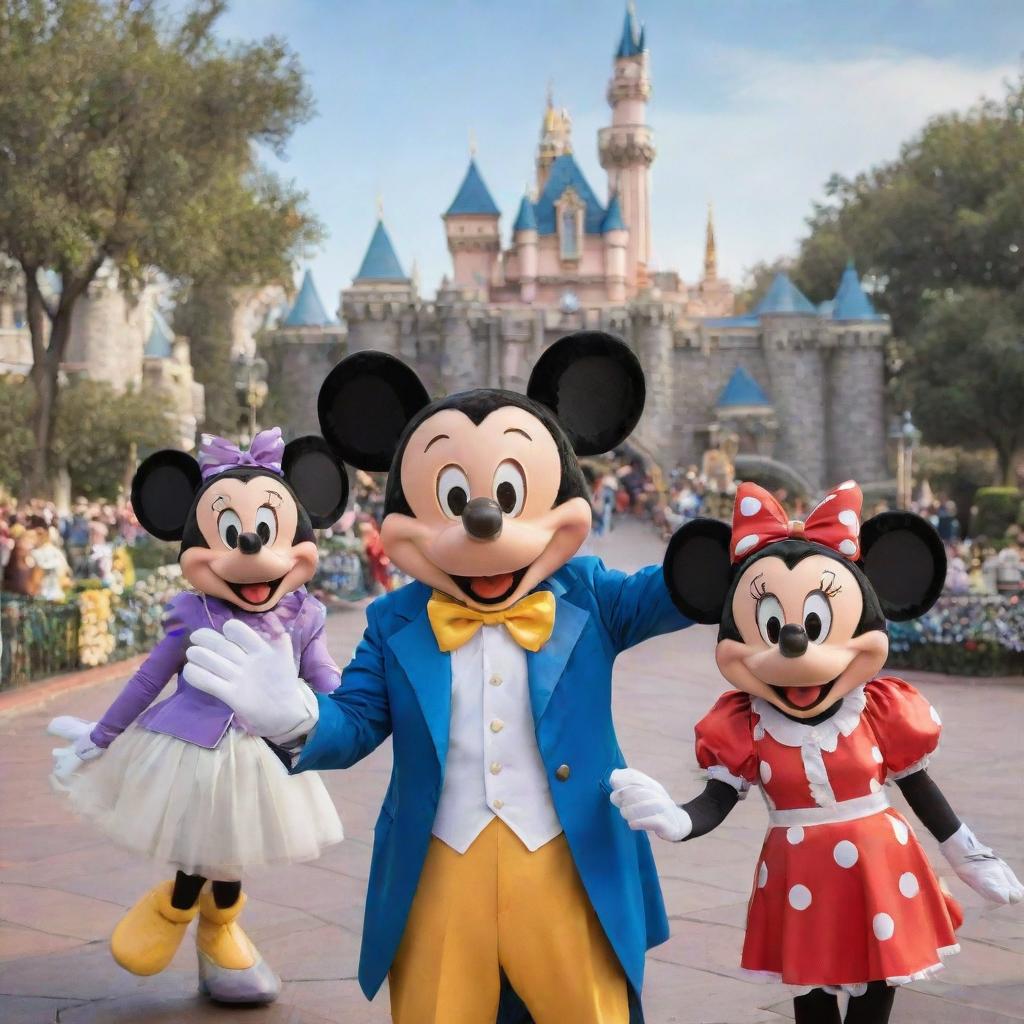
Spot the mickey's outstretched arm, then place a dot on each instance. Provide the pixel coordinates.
(646, 805)
(975, 864)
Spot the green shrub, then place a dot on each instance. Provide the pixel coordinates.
(998, 509)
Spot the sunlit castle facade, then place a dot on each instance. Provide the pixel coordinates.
(784, 380)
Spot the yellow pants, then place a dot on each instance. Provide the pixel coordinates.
(499, 907)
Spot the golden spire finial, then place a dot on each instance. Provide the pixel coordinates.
(710, 249)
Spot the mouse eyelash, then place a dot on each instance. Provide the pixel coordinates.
(758, 587)
(273, 499)
(828, 586)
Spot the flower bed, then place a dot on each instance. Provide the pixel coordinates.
(970, 635)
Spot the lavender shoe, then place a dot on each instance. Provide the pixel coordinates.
(254, 985)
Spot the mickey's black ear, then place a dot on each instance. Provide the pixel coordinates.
(318, 478)
(365, 403)
(698, 570)
(163, 490)
(905, 561)
(594, 384)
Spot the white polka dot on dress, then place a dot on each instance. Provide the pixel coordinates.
(883, 926)
(845, 853)
(900, 830)
(799, 897)
(750, 506)
(762, 875)
(795, 835)
(759, 731)
(744, 544)
(765, 771)
(909, 885)
(934, 714)
(876, 755)
(875, 786)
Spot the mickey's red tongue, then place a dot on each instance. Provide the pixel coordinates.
(490, 587)
(803, 696)
(255, 593)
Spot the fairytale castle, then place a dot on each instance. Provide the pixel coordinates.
(798, 387)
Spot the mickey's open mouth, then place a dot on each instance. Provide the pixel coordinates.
(803, 698)
(491, 589)
(255, 593)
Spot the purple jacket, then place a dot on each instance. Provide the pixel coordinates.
(194, 716)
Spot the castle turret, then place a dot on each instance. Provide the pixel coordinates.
(616, 240)
(627, 147)
(380, 299)
(524, 238)
(716, 293)
(471, 226)
(555, 140)
(856, 383)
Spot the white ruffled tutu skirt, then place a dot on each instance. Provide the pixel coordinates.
(217, 813)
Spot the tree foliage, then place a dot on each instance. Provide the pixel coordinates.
(130, 137)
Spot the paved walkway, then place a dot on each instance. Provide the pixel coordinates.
(62, 887)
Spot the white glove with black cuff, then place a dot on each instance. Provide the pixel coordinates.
(67, 760)
(978, 867)
(647, 806)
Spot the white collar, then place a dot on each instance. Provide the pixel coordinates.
(791, 733)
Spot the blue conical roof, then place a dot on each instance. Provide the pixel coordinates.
(473, 195)
(380, 262)
(526, 219)
(613, 216)
(564, 173)
(741, 389)
(160, 343)
(307, 309)
(851, 301)
(783, 297)
(632, 41)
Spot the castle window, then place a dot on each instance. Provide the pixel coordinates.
(569, 234)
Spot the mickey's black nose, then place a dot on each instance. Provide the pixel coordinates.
(482, 518)
(249, 543)
(792, 641)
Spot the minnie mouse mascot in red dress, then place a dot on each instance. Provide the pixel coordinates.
(844, 899)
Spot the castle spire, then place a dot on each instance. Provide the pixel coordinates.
(632, 41)
(555, 138)
(710, 250)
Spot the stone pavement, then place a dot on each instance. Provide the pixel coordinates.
(63, 887)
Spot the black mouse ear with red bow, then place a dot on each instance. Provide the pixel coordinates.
(365, 404)
(163, 490)
(698, 570)
(318, 478)
(905, 562)
(594, 384)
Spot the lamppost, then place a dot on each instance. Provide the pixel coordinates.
(250, 386)
(907, 436)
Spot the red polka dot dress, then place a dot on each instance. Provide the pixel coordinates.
(843, 893)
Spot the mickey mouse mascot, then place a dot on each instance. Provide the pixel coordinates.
(501, 875)
(844, 899)
(189, 781)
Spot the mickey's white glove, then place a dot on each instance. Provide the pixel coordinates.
(67, 760)
(645, 804)
(979, 868)
(257, 679)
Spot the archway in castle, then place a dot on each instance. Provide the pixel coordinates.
(772, 474)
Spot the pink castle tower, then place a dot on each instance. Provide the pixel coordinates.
(626, 148)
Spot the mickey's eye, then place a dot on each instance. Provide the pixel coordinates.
(266, 524)
(817, 617)
(770, 617)
(510, 487)
(452, 491)
(229, 526)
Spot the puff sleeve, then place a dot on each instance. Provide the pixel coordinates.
(906, 725)
(725, 742)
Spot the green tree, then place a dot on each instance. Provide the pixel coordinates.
(964, 372)
(16, 441)
(131, 138)
(756, 280)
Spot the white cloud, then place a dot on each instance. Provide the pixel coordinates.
(785, 127)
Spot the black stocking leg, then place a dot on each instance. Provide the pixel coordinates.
(816, 1007)
(225, 894)
(874, 1006)
(186, 890)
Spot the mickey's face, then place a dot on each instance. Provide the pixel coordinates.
(798, 645)
(250, 557)
(485, 526)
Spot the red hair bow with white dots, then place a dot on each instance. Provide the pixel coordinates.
(758, 519)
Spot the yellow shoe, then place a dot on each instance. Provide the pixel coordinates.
(147, 937)
(231, 969)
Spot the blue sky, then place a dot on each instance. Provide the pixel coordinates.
(756, 103)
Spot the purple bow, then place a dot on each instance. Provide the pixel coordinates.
(217, 454)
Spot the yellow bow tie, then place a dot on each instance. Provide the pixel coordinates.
(530, 620)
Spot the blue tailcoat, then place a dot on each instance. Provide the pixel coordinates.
(399, 683)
